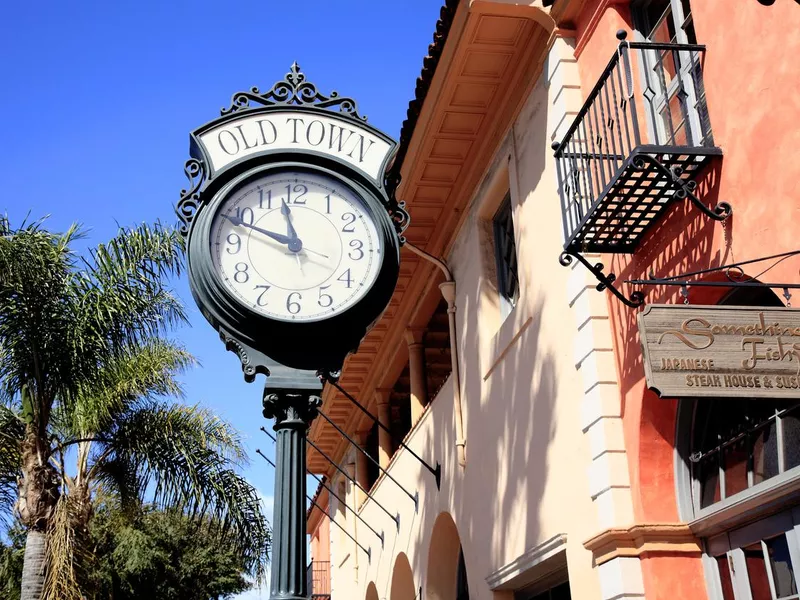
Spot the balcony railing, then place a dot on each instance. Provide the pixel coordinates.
(636, 145)
(318, 578)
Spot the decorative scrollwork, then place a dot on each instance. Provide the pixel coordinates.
(293, 90)
(331, 376)
(400, 218)
(189, 201)
(606, 282)
(684, 188)
(253, 362)
(234, 345)
(288, 409)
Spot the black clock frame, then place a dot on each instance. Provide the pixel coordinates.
(310, 345)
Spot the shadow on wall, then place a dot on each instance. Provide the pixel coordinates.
(508, 427)
(683, 240)
(443, 560)
(497, 502)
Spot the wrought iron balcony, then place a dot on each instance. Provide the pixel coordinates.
(636, 146)
(318, 578)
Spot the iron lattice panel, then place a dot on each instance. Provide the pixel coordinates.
(636, 197)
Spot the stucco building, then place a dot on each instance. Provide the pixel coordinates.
(597, 131)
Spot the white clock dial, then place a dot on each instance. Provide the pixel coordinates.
(295, 246)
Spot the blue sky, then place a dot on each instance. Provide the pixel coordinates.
(97, 100)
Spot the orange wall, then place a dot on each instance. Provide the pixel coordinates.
(752, 81)
(321, 541)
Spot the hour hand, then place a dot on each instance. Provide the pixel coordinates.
(285, 211)
(278, 237)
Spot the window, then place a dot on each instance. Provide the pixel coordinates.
(558, 591)
(678, 114)
(506, 254)
(739, 443)
(758, 561)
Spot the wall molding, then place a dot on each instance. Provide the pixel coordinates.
(530, 560)
(587, 33)
(641, 539)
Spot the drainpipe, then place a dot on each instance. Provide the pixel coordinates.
(448, 288)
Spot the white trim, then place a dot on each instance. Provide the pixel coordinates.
(748, 504)
(531, 560)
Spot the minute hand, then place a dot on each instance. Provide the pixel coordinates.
(278, 237)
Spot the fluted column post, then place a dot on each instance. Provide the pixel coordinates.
(362, 477)
(293, 413)
(416, 371)
(384, 438)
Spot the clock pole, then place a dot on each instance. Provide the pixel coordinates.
(291, 397)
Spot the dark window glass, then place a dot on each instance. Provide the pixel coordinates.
(765, 453)
(725, 578)
(757, 572)
(736, 456)
(506, 252)
(462, 586)
(741, 434)
(781, 563)
(791, 438)
(560, 592)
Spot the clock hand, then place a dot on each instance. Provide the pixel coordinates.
(278, 237)
(285, 211)
(314, 252)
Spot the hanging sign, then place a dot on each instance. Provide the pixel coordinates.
(333, 135)
(723, 351)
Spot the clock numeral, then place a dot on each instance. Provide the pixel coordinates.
(241, 275)
(345, 278)
(293, 306)
(350, 218)
(298, 188)
(245, 215)
(234, 240)
(261, 199)
(356, 246)
(328, 300)
(328, 200)
(261, 301)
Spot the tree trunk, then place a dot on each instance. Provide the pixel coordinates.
(33, 570)
(38, 495)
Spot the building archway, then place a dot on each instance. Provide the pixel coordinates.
(372, 592)
(402, 580)
(447, 574)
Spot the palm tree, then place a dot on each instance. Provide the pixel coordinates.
(83, 361)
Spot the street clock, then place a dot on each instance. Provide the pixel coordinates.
(293, 239)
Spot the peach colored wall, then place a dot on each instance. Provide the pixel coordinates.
(321, 541)
(752, 81)
(525, 479)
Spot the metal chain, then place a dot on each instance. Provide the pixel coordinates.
(727, 239)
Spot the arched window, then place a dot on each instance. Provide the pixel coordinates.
(739, 474)
(728, 446)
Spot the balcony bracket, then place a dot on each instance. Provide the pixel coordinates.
(684, 188)
(606, 280)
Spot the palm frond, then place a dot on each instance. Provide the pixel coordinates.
(185, 457)
(146, 371)
(12, 431)
(63, 549)
(123, 287)
(36, 271)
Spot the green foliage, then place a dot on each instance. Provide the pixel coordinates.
(11, 431)
(11, 558)
(158, 555)
(85, 366)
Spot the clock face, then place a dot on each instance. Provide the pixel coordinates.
(295, 246)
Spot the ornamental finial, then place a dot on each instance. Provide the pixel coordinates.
(293, 90)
